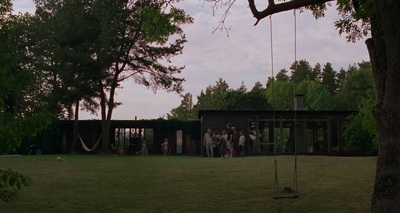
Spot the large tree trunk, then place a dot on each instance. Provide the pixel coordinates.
(107, 123)
(76, 131)
(107, 108)
(384, 51)
(105, 146)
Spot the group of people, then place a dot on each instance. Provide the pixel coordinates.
(228, 144)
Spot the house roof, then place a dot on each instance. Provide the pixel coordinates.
(288, 113)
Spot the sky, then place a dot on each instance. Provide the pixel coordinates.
(242, 55)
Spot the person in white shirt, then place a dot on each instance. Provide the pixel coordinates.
(242, 141)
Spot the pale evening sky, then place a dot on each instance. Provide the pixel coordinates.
(244, 56)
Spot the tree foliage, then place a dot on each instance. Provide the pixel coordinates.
(301, 70)
(282, 76)
(185, 110)
(280, 95)
(317, 97)
(10, 183)
(213, 98)
(221, 97)
(362, 131)
(22, 112)
(328, 78)
(358, 85)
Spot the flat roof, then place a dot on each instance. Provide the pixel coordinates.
(278, 112)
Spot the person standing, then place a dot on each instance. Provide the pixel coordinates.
(166, 149)
(222, 144)
(229, 142)
(144, 148)
(208, 143)
(235, 141)
(216, 143)
(242, 141)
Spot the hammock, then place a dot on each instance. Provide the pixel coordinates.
(86, 148)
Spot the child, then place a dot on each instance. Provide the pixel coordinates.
(216, 142)
(166, 149)
(242, 141)
(225, 151)
(144, 148)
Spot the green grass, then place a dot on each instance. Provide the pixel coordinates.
(83, 183)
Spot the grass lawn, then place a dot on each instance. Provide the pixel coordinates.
(96, 183)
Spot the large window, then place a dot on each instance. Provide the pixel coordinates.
(131, 139)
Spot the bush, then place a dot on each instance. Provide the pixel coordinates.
(361, 132)
(10, 183)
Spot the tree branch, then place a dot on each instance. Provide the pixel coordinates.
(276, 8)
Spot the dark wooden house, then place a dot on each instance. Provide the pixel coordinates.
(183, 136)
(288, 131)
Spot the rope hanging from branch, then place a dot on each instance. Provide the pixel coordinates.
(294, 193)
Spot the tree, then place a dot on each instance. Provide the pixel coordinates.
(221, 97)
(185, 110)
(258, 87)
(340, 78)
(361, 130)
(214, 96)
(241, 99)
(281, 76)
(74, 47)
(280, 95)
(328, 78)
(316, 95)
(22, 112)
(380, 20)
(301, 70)
(235, 99)
(358, 85)
(256, 99)
(130, 40)
(20, 108)
(316, 72)
(270, 81)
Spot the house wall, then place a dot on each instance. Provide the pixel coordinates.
(331, 123)
(91, 129)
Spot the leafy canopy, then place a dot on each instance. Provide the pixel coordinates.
(22, 112)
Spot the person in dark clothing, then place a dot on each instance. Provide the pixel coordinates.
(229, 142)
(33, 149)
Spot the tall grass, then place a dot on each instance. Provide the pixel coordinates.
(83, 183)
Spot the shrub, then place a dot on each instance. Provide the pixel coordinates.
(10, 183)
(362, 132)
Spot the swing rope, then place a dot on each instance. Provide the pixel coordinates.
(295, 112)
(276, 184)
(294, 194)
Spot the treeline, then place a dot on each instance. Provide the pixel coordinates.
(323, 88)
(221, 97)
